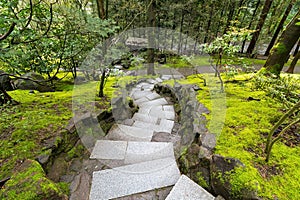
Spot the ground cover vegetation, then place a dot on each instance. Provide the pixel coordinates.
(250, 44)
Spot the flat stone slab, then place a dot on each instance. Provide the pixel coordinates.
(108, 149)
(155, 102)
(157, 128)
(163, 114)
(169, 108)
(141, 100)
(129, 133)
(153, 96)
(137, 94)
(147, 151)
(144, 118)
(186, 189)
(132, 152)
(145, 109)
(132, 179)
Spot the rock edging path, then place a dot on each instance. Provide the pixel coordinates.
(138, 164)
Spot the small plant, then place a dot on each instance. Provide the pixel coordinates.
(270, 142)
(284, 89)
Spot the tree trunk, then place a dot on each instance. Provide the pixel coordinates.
(100, 9)
(296, 49)
(208, 24)
(230, 16)
(151, 39)
(283, 47)
(250, 24)
(293, 64)
(102, 83)
(259, 26)
(279, 27)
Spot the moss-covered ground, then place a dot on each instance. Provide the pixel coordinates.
(244, 135)
(24, 128)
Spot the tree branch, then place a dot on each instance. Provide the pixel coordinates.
(11, 28)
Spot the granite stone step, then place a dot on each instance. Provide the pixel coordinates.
(132, 152)
(145, 118)
(157, 128)
(186, 189)
(129, 133)
(133, 179)
(155, 102)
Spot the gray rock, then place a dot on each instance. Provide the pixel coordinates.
(186, 189)
(31, 85)
(219, 169)
(80, 187)
(147, 151)
(208, 140)
(128, 133)
(132, 179)
(112, 150)
(5, 82)
(144, 118)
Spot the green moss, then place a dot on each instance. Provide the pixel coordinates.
(280, 48)
(242, 137)
(30, 182)
(201, 181)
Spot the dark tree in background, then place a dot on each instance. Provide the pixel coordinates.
(280, 26)
(280, 52)
(259, 26)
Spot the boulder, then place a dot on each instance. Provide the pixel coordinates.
(30, 182)
(220, 180)
(24, 84)
(5, 82)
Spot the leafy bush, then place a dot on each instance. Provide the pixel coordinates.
(285, 88)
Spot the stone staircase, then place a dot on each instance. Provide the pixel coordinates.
(139, 165)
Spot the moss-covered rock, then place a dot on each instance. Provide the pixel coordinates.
(30, 182)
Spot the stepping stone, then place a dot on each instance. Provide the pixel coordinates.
(169, 108)
(129, 133)
(157, 128)
(186, 189)
(164, 114)
(139, 94)
(144, 118)
(155, 102)
(108, 149)
(132, 152)
(159, 80)
(145, 109)
(147, 151)
(141, 100)
(135, 178)
(151, 81)
(153, 96)
(166, 123)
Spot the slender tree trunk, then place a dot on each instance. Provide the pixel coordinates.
(283, 47)
(259, 26)
(180, 32)
(230, 16)
(102, 83)
(296, 49)
(279, 27)
(151, 37)
(100, 9)
(250, 24)
(106, 9)
(293, 64)
(208, 25)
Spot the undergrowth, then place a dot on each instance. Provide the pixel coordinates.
(250, 114)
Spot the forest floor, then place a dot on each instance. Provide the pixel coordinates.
(25, 127)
